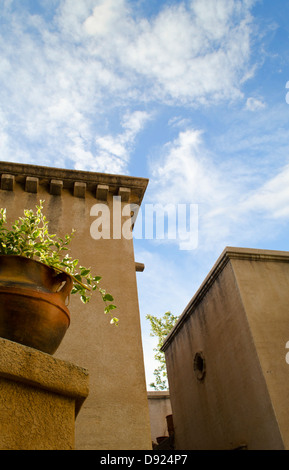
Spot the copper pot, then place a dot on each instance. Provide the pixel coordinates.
(33, 297)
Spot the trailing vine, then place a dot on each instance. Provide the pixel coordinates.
(29, 237)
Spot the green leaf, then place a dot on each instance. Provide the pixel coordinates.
(29, 236)
(108, 298)
(85, 299)
(108, 308)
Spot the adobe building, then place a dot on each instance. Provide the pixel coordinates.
(227, 357)
(115, 414)
(159, 410)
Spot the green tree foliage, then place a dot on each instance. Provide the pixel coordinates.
(160, 328)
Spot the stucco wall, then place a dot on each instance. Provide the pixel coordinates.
(40, 397)
(263, 281)
(159, 408)
(115, 415)
(232, 403)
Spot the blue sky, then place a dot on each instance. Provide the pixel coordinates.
(190, 94)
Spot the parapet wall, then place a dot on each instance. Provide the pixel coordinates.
(78, 183)
(225, 357)
(40, 397)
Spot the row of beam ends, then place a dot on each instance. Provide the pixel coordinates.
(79, 188)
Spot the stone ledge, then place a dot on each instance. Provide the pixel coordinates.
(158, 394)
(35, 368)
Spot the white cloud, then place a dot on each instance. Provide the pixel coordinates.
(187, 174)
(234, 205)
(272, 198)
(107, 17)
(113, 151)
(187, 171)
(254, 104)
(61, 80)
(195, 55)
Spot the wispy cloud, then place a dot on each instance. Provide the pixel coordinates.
(66, 68)
(194, 54)
(70, 71)
(186, 173)
(113, 151)
(272, 198)
(235, 200)
(255, 104)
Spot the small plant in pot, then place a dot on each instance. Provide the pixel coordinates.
(37, 276)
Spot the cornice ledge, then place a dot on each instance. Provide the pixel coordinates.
(256, 254)
(117, 184)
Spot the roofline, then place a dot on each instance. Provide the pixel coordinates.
(250, 254)
(136, 185)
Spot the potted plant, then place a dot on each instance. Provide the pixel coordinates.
(37, 276)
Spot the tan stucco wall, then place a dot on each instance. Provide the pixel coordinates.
(159, 409)
(39, 399)
(238, 320)
(115, 415)
(263, 281)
